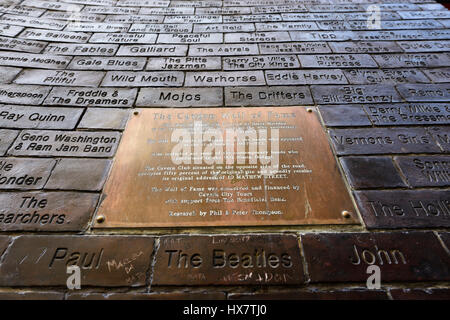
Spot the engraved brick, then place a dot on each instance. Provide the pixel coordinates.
(97, 27)
(180, 97)
(91, 97)
(321, 35)
(107, 63)
(134, 18)
(21, 10)
(252, 18)
(294, 47)
(46, 211)
(161, 27)
(382, 140)
(260, 62)
(20, 94)
(354, 94)
(365, 47)
(408, 60)
(193, 19)
(30, 60)
(337, 61)
(54, 36)
(223, 10)
(52, 5)
(143, 79)
(123, 38)
(408, 114)
(286, 26)
(152, 50)
(442, 14)
(167, 11)
(65, 143)
(425, 171)
(344, 115)
(406, 256)
(24, 21)
(224, 27)
(385, 76)
(110, 10)
(287, 77)
(103, 260)
(257, 37)
(184, 63)
(434, 34)
(268, 96)
(438, 75)
(82, 49)
(425, 46)
(24, 173)
(224, 78)
(21, 45)
(425, 92)
(94, 118)
(207, 37)
(223, 49)
(60, 77)
(228, 260)
(69, 16)
(404, 209)
(371, 172)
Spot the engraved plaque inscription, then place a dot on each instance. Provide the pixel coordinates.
(224, 167)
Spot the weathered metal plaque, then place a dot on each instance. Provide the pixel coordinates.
(224, 167)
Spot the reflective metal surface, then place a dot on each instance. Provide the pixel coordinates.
(147, 189)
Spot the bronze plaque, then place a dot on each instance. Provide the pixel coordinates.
(224, 167)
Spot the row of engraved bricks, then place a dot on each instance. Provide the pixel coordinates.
(217, 38)
(385, 44)
(233, 259)
(229, 78)
(278, 13)
(146, 24)
(234, 96)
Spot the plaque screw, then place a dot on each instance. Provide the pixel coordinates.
(100, 219)
(346, 214)
(136, 113)
(309, 110)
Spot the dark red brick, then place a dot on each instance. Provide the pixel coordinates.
(371, 172)
(403, 256)
(46, 211)
(103, 260)
(228, 260)
(30, 295)
(177, 295)
(313, 294)
(425, 171)
(421, 294)
(404, 209)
